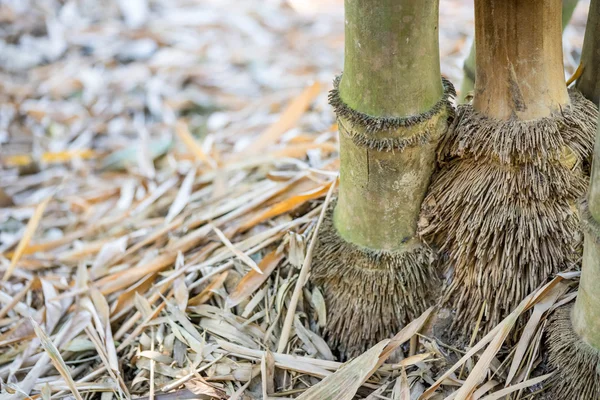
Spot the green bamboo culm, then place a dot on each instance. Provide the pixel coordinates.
(392, 108)
(391, 69)
(586, 313)
(468, 83)
(589, 81)
(573, 335)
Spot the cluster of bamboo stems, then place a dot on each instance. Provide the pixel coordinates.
(485, 193)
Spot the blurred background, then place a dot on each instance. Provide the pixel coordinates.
(88, 86)
(75, 74)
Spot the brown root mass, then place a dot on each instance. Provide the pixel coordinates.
(370, 294)
(503, 206)
(577, 363)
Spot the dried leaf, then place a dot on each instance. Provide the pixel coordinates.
(538, 310)
(207, 293)
(343, 384)
(288, 118)
(318, 302)
(199, 387)
(267, 368)
(183, 196)
(56, 358)
(287, 205)
(401, 389)
(530, 382)
(247, 260)
(253, 280)
(27, 235)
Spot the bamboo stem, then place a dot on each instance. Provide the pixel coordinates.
(391, 69)
(586, 313)
(468, 83)
(519, 59)
(392, 64)
(589, 81)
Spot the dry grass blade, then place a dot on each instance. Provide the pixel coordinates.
(199, 387)
(32, 225)
(288, 118)
(289, 318)
(12, 304)
(267, 370)
(532, 325)
(480, 370)
(287, 205)
(240, 254)
(401, 389)
(527, 303)
(511, 389)
(311, 366)
(207, 293)
(182, 131)
(343, 384)
(483, 389)
(56, 358)
(252, 280)
(407, 362)
(183, 196)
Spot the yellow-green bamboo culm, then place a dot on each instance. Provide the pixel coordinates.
(573, 336)
(392, 108)
(589, 81)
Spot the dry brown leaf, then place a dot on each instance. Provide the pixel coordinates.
(343, 384)
(56, 358)
(506, 391)
(27, 235)
(243, 257)
(288, 118)
(183, 196)
(207, 293)
(201, 387)
(267, 369)
(532, 325)
(401, 389)
(286, 205)
(182, 131)
(253, 280)
(528, 302)
(481, 368)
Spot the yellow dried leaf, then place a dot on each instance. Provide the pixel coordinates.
(287, 120)
(29, 231)
(253, 280)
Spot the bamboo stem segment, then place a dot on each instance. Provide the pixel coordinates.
(586, 313)
(468, 83)
(392, 63)
(519, 59)
(392, 108)
(391, 69)
(589, 82)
